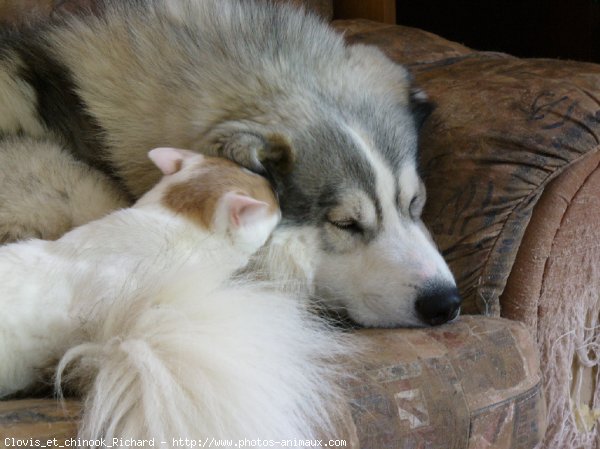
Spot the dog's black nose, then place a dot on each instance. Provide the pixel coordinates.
(438, 305)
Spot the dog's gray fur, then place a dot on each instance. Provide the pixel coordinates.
(333, 126)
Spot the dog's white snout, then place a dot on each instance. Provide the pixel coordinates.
(419, 253)
(427, 268)
(381, 284)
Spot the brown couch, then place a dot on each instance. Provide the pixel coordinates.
(510, 158)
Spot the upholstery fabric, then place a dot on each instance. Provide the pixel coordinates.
(555, 288)
(474, 384)
(38, 419)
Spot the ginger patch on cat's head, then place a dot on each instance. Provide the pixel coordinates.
(197, 197)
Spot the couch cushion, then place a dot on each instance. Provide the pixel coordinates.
(40, 419)
(472, 384)
(503, 129)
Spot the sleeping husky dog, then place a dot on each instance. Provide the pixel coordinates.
(334, 127)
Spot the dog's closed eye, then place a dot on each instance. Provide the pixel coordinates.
(348, 225)
(353, 214)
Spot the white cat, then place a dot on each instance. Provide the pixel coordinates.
(44, 281)
(139, 307)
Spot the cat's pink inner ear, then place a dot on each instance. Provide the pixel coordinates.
(245, 210)
(170, 160)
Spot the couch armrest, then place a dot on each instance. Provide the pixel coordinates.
(471, 384)
(554, 287)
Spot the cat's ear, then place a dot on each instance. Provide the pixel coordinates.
(243, 210)
(170, 160)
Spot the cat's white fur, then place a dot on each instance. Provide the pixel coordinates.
(139, 307)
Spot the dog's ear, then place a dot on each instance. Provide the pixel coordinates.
(270, 155)
(170, 160)
(420, 106)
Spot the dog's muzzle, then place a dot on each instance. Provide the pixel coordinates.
(437, 305)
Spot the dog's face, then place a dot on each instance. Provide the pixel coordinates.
(352, 227)
(373, 258)
(344, 163)
(376, 260)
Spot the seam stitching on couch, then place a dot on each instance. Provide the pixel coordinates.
(535, 192)
(526, 395)
(566, 211)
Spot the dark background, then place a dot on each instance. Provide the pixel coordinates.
(567, 29)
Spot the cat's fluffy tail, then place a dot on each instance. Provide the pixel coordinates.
(241, 362)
